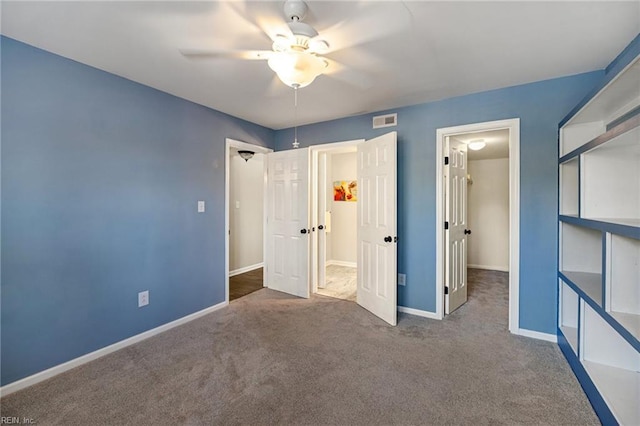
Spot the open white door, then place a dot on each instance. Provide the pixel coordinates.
(377, 254)
(456, 217)
(288, 233)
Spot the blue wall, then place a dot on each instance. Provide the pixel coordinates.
(540, 107)
(100, 178)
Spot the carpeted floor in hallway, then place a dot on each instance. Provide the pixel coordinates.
(270, 358)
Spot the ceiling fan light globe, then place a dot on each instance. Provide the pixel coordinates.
(297, 68)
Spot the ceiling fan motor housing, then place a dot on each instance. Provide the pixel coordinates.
(302, 29)
(295, 10)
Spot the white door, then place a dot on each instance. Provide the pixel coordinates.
(377, 291)
(456, 217)
(288, 231)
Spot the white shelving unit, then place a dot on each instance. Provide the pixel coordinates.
(622, 289)
(610, 181)
(599, 238)
(569, 189)
(613, 365)
(568, 315)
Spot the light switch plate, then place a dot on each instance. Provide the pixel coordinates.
(237, 204)
(200, 206)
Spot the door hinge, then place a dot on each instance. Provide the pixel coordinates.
(446, 225)
(446, 290)
(446, 161)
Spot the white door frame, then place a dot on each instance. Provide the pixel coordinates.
(232, 143)
(513, 125)
(315, 150)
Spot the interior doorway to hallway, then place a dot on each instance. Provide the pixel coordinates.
(334, 207)
(453, 229)
(487, 184)
(245, 190)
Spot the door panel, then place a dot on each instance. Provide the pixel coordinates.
(288, 214)
(456, 215)
(377, 258)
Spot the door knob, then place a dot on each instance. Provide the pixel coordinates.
(467, 231)
(320, 227)
(303, 231)
(388, 239)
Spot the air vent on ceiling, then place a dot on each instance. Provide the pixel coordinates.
(385, 120)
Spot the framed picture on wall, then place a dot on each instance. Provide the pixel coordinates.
(345, 190)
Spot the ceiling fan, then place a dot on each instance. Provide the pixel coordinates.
(298, 52)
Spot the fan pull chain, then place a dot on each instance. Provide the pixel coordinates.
(295, 116)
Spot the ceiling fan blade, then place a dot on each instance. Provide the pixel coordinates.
(231, 54)
(348, 75)
(267, 16)
(371, 21)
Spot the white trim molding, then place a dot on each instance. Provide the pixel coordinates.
(513, 125)
(246, 269)
(61, 368)
(489, 267)
(342, 263)
(536, 335)
(418, 312)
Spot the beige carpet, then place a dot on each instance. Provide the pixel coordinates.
(340, 282)
(270, 358)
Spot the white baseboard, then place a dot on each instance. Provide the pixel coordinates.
(245, 269)
(61, 368)
(418, 312)
(536, 335)
(489, 267)
(342, 263)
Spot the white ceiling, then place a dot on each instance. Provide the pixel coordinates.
(393, 53)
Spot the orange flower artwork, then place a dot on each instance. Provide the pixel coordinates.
(345, 190)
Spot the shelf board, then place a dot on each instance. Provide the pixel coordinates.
(587, 284)
(629, 129)
(623, 89)
(589, 287)
(629, 322)
(620, 389)
(571, 334)
(626, 227)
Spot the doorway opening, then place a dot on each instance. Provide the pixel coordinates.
(334, 209)
(245, 180)
(488, 216)
(291, 249)
(490, 168)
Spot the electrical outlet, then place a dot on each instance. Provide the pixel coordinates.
(402, 279)
(200, 206)
(143, 298)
